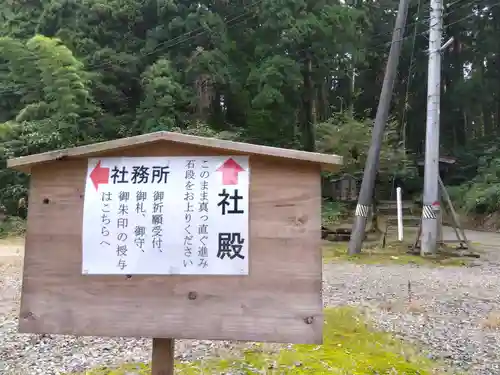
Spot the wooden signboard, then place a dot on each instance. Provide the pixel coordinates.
(166, 235)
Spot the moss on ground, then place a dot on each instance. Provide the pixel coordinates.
(393, 253)
(350, 346)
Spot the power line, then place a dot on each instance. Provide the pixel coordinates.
(200, 31)
(175, 41)
(408, 80)
(386, 44)
(465, 4)
(186, 36)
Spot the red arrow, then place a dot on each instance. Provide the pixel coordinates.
(230, 170)
(99, 175)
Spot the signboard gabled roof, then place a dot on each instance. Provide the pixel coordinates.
(326, 161)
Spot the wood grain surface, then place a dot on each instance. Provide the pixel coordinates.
(280, 300)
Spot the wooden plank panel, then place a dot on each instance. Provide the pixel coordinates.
(271, 304)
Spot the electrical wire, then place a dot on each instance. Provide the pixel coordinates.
(489, 7)
(187, 36)
(393, 185)
(408, 81)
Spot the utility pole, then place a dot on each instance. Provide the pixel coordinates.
(431, 206)
(371, 166)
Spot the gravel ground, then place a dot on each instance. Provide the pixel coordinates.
(26, 354)
(447, 310)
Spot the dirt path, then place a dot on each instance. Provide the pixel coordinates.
(489, 239)
(11, 247)
(487, 243)
(11, 252)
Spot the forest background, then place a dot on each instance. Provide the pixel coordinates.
(302, 74)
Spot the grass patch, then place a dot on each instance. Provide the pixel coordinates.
(12, 226)
(333, 212)
(393, 253)
(351, 346)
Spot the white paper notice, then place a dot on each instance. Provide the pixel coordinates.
(166, 216)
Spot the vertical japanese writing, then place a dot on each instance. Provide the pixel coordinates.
(105, 219)
(122, 225)
(183, 215)
(157, 220)
(141, 197)
(189, 183)
(139, 236)
(228, 200)
(230, 245)
(140, 230)
(203, 211)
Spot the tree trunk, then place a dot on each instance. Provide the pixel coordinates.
(308, 129)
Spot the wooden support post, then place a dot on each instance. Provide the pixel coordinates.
(454, 214)
(417, 238)
(162, 362)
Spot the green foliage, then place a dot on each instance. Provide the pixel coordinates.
(393, 253)
(351, 346)
(332, 212)
(344, 135)
(94, 70)
(165, 99)
(276, 73)
(201, 129)
(482, 194)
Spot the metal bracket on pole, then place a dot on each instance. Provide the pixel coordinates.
(447, 44)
